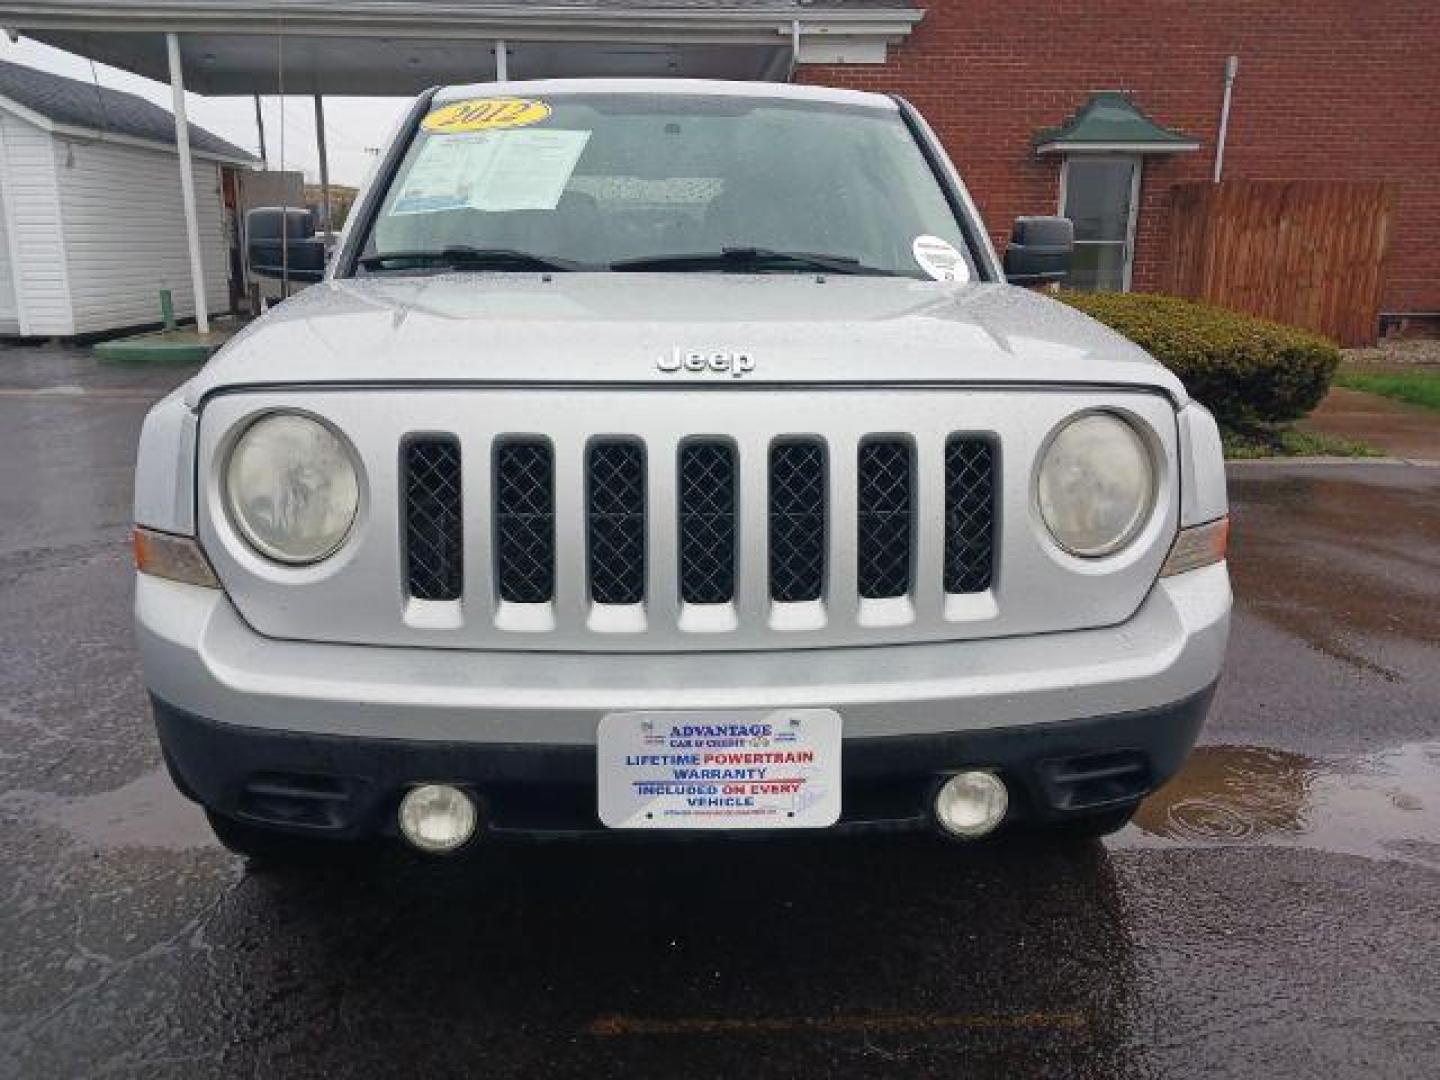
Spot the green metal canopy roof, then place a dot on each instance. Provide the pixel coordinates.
(1110, 120)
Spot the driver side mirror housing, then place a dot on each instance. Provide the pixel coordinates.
(1040, 250)
(280, 242)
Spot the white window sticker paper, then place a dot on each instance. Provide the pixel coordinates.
(939, 259)
(438, 180)
(492, 170)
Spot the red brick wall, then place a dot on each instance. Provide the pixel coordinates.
(1333, 89)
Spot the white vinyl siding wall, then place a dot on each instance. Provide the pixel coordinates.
(125, 234)
(32, 207)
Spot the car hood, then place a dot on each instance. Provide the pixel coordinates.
(610, 328)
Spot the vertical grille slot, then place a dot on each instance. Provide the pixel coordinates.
(884, 527)
(615, 500)
(797, 521)
(707, 523)
(525, 522)
(434, 560)
(969, 514)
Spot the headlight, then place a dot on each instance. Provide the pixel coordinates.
(291, 488)
(1096, 485)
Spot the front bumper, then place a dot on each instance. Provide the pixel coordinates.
(326, 737)
(351, 788)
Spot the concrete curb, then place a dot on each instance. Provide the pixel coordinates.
(1329, 462)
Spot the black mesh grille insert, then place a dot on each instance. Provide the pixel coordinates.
(969, 514)
(797, 521)
(883, 536)
(525, 522)
(434, 562)
(616, 499)
(707, 523)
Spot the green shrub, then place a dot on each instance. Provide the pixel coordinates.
(1245, 370)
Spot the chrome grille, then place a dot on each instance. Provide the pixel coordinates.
(616, 511)
(434, 527)
(969, 514)
(797, 521)
(525, 522)
(883, 520)
(707, 523)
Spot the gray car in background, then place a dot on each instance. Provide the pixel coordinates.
(676, 457)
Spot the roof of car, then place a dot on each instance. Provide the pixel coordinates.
(713, 87)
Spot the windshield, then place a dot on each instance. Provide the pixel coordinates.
(674, 182)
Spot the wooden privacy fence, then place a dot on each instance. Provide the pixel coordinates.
(1309, 253)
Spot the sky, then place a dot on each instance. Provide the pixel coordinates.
(352, 124)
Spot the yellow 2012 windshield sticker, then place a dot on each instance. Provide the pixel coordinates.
(485, 114)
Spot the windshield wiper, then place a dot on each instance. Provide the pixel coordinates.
(463, 255)
(748, 258)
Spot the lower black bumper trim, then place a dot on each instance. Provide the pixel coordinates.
(350, 786)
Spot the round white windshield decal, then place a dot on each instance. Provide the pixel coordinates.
(939, 259)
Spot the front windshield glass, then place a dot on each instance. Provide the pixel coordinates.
(674, 182)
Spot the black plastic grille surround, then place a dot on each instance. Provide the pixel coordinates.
(434, 527)
(525, 522)
(969, 514)
(615, 500)
(884, 523)
(707, 523)
(797, 521)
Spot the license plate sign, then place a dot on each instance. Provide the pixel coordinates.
(724, 769)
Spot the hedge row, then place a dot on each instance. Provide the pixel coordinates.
(1244, 369)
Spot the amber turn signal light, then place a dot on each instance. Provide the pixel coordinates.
(176, 558)
(1197, 546)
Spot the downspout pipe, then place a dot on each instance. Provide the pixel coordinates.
(1232, 66)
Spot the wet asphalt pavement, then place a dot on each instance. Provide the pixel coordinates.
(1275, 911)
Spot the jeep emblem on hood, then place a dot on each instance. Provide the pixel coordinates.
(720, 361)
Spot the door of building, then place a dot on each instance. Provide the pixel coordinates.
(1101, 196)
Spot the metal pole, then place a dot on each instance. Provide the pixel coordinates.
(1232, 65)
(502, 62)
(324, 162)
(187, 184)
(260, 127)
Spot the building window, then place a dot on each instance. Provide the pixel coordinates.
(1101, 195)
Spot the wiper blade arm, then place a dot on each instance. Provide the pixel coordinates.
(465, 255)
(749, 257)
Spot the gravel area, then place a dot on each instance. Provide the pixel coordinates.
(1402, 352)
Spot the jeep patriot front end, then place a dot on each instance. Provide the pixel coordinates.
(675, 456)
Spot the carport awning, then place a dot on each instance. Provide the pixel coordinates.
(399, 47)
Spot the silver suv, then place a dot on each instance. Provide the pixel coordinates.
(674, 456)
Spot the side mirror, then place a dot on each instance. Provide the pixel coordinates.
(280, 242)
(1040, 250)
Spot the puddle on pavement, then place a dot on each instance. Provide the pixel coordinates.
(1384, 806)
(1307, 556)
(147, 813)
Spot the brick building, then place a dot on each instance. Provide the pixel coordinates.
(1331, 89)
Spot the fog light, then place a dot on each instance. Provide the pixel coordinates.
(971, 804)
(437, 817)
